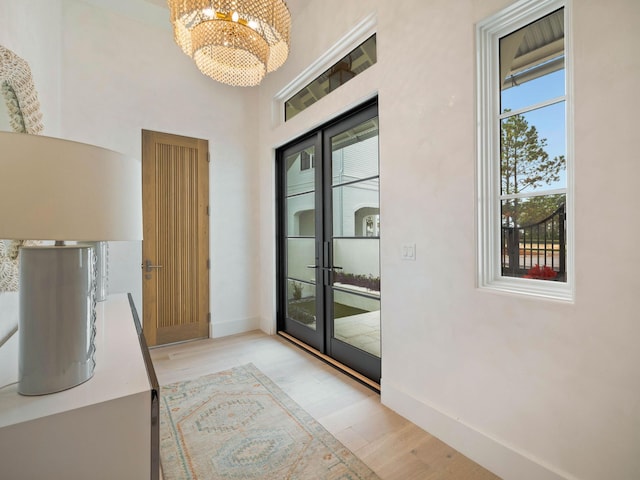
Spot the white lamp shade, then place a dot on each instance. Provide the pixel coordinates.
(54, 189)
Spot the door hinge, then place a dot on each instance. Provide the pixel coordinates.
(209, 317)
(207, 210)
(208, 157)
(208, 264)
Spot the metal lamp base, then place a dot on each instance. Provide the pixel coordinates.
(102, 270)
(57, 318)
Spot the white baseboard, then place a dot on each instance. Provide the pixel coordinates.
(232, 327)
(504, 461)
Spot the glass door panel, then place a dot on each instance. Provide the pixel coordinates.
(300, 255)
(301, 282)
(300, 176)
(357, 321)
(329, 241)
(298, 252)
(301, 215)
(357, 265)
(353, 233)
(356, 209)
(354, 153)
(301, 303)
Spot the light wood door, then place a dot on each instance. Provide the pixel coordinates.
(175, 250)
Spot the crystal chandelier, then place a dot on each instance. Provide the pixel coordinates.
(233, 41)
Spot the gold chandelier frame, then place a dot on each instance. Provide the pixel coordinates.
(236, 42)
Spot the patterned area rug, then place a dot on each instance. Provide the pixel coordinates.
(238, 424)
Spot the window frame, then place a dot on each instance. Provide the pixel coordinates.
(358, 34)
(488, 116)
(327, 75)
(308, 163)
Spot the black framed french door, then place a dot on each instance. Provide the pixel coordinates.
(329, 240)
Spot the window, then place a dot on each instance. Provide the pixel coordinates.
(307, 160)
(352, 64)
(524, 168)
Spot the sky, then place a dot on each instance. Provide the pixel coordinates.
(550, 120)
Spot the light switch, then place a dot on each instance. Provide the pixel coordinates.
(408, 251)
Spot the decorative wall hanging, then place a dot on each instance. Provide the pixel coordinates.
(21, 98)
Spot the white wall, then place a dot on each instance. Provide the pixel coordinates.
(105, 70)
(122, 72)
(31, 29)
(530, 388)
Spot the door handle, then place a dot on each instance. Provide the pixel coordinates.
(148, 267)
(313, 266)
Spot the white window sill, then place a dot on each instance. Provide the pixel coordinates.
(543, 289)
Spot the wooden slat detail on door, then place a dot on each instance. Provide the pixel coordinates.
(177, 199)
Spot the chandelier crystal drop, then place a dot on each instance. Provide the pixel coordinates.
(236, 42)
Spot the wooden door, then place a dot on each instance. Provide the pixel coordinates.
(175, 250)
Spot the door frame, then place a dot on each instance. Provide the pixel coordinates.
(322, 339)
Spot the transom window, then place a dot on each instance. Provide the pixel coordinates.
(352, 64)
(524, 163)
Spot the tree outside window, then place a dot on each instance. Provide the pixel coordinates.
(533, 168)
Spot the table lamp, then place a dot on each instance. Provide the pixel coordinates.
(54, 189)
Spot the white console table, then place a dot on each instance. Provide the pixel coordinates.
(101, 429)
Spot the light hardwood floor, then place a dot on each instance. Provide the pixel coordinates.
(390, 445)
